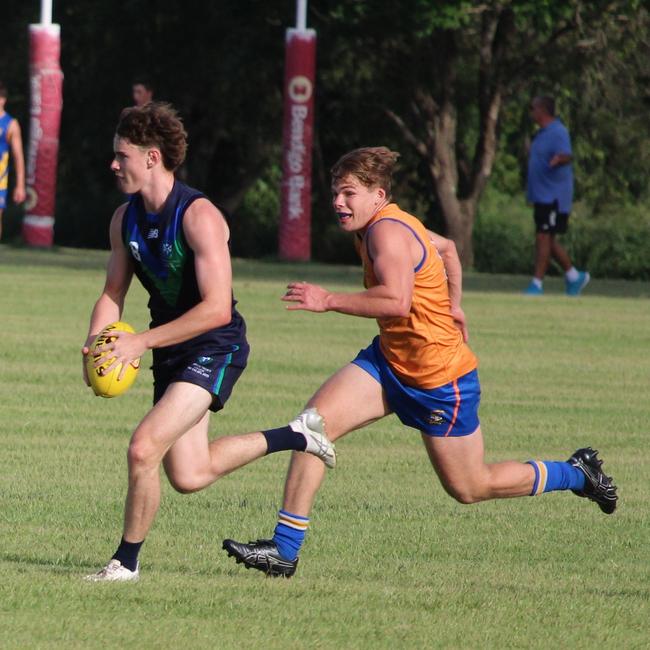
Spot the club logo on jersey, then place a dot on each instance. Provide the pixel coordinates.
(204, 360)
(436, 417)
(167, 249)
(153, 233)
(135, 250)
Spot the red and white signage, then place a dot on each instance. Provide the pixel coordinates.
(299, 78)
(46, 82)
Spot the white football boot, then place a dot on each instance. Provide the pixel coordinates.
(115, 572)
(310, 423)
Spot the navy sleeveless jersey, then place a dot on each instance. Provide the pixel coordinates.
(164, 264)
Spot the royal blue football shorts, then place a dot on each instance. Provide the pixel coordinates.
(449, 410)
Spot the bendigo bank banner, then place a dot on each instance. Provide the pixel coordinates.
(46, 81)
(299, 77)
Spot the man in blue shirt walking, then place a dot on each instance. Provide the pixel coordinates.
(550, 190)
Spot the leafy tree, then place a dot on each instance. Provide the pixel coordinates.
(451, 79)
(448, 68)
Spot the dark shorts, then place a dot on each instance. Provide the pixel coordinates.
(216, 369)
(449, 410)
(549, 219)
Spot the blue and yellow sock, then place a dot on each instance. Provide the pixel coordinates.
(551, 475)
(290, 534)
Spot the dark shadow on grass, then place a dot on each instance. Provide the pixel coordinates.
(72, 566)
(325, 274)
(554, 286)
(59, 565)
(68, 258)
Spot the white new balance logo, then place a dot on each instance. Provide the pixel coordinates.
(153, 233)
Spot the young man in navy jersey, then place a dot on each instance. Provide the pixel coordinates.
(176, 242)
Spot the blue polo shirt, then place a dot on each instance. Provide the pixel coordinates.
(549, 184)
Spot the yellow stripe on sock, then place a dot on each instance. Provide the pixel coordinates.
(543, 476)
(298, 524)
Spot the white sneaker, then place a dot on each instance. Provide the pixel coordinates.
(310, 423)
(114, 572)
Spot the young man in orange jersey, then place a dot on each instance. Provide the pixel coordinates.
(419, 367)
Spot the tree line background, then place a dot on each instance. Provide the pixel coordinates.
(446, 83)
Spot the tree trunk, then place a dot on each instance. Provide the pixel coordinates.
(460, 227)
(459, 215)
(459, 183)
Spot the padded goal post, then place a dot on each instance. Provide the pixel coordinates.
(298, 128)
(46, 101)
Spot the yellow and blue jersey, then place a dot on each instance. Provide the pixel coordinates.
(5, 122)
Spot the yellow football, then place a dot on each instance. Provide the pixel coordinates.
(106, 383)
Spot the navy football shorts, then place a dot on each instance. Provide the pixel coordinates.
(549, 219)
(216, 369)
(449, 410)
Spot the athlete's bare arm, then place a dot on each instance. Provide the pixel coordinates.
(207, 235)
(15, 140)
(119, 273)
(447, 250)
(395, 252)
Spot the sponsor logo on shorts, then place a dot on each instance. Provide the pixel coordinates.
(201, 366)
(199, 370)
(436, 417)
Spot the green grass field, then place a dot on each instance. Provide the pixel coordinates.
(390, 560)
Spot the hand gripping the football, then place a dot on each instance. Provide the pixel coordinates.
(121, 348)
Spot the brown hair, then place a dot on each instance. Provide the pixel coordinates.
(3, 90)
(155, 125)
(372, 166)
(145, 82)
(546, 103)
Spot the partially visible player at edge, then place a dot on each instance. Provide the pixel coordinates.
(176, 242)
(419, 367)
(10, 139)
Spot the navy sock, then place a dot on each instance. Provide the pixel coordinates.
(290, 533)
(283, 439)
(553, 475)
(127, 554)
